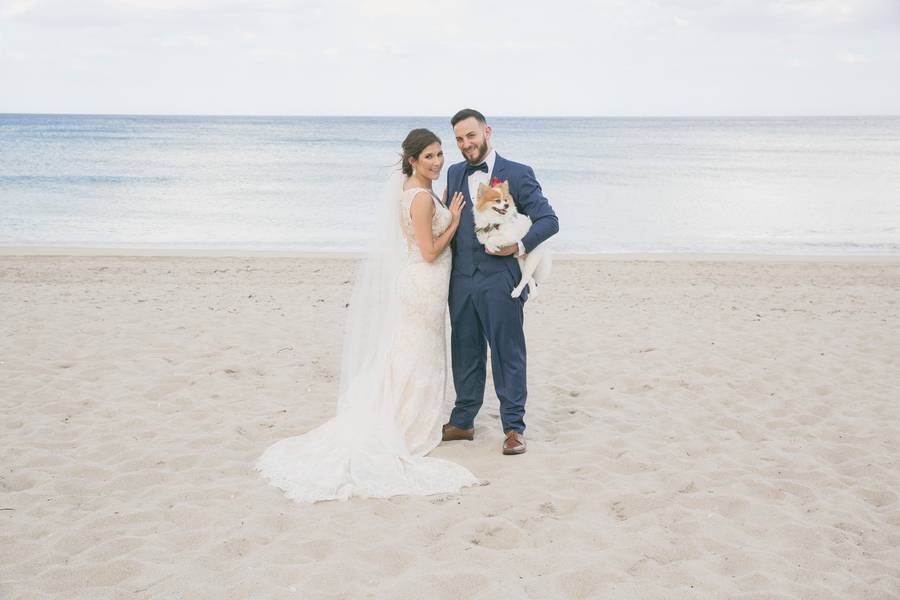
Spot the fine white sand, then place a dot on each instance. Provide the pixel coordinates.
(697, 429)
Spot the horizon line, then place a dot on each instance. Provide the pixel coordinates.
(374, 116)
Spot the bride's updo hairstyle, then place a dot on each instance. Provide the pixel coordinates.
(416, 141)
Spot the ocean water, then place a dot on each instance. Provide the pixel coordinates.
(797, 186)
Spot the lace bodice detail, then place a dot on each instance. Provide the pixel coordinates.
(439, 223)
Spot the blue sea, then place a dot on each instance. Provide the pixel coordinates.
(793, 185)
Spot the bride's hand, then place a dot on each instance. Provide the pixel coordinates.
(456, 206)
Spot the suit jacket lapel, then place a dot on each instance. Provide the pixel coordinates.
(499, 167)
(461, 184)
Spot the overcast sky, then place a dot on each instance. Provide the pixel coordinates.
(415, 57)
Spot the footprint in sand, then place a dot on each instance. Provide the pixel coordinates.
(879, 498)
(16, 483)
(496, 533)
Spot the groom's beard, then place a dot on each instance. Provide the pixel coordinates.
(482, 152)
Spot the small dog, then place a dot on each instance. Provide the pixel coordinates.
(498, 223)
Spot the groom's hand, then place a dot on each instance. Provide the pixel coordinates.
(504, 251)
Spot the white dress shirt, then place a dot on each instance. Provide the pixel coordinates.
(480, 177)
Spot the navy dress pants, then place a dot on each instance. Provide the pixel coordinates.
(482, 314)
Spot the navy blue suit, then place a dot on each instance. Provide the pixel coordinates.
(481, 310)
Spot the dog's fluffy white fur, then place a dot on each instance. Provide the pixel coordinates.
(498, 223)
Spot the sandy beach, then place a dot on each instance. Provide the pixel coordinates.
(724, 428)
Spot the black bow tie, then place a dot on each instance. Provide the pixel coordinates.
(479, 167)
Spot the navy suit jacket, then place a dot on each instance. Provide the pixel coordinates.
(468, 253)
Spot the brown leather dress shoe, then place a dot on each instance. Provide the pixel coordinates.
(514, 443)
(451, 433)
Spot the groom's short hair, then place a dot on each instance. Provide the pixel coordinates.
(465, 114)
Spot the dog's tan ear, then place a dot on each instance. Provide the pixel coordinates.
(505, 186)
(481, 190)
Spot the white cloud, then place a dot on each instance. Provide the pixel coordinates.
(832, 10)
(96, 52)
(190, 40)
(770, 15)
(198, 40)
(246, 7)
(77, 68)
(836, 11)
(165, 4)
(410, 9)
(9, 9)
(851, 58)
(275, 54)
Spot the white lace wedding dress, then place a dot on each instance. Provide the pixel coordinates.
(378, 450)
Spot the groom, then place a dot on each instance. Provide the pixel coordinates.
(481, 310)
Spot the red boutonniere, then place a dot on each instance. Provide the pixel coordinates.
(495, 182)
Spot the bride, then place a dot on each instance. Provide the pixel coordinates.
(394, 365)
